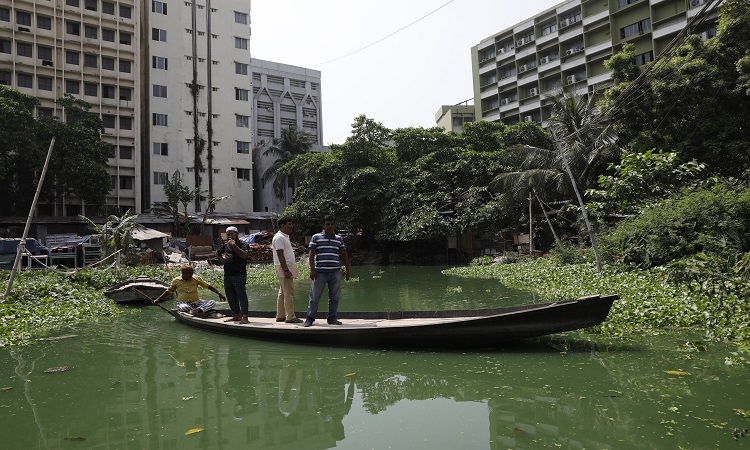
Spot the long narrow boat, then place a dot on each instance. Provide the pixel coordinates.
(127, 291)
(435, 329)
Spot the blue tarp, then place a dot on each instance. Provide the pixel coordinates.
(10, 246)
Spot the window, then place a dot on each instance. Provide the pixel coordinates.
(72, 87)
(643, 58)
(43, 22)
(90, 5)
(158, 34)
(125, 38)
(240, 43)
(161, 177)
(5, 46)
(5, 14)
(90, 32)
(161, 148)
(126, 152)
(158, 62)
(5, 77)
(126, 123)
(159, 7)
(241, 94)
(108, 63)
(108, 91)
(108, 120)
(159, 91)
(24, 80)
(73, 28)
(623, 3)
(548, 28)
(44, 112)
(240, 17)
(108, 8)
(126, 94)
(23, 18)
(108, 35)
(126, 182)
(159, 119)
(23, 49)
(72, 57)
(89, 60)
(124, 66)
(126, 11)
(243, 174)
(91, 89)
(240, 68)
(243, 121)
(75, 3)
(243, 147)
(44, 52)
(637, 28)
(44, 83)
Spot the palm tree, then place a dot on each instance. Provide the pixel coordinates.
(292, 143)
(583, 145)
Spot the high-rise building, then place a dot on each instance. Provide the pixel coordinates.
(89, 49)
(197, 114)
(283, 96)
(517, 69)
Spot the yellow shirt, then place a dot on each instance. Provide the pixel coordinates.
(187, 290)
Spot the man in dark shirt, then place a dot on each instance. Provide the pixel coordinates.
(234, 255)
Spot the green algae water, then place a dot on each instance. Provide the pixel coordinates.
(142, 381)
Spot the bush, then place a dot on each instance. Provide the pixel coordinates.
(564, 253)
(484, 260)
(705, 220)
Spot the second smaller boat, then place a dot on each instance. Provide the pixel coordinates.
(127, 291)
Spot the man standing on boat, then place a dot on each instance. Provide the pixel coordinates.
(234, 253)
(284, 262)
(186, 287)
(326, 251)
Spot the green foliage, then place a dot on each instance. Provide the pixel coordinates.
(116, 233)
(292, 143)
(564, 253)
(484, 260)
(177, 194)
(525, 133)
(641, 179)
(79, 158)
(704, 220)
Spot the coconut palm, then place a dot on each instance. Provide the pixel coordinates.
(583, 146)
(292, 143)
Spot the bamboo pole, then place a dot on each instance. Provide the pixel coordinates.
(22, 245)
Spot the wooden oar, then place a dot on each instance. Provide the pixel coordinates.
(151, 300)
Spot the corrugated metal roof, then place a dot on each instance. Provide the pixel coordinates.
(147, 234)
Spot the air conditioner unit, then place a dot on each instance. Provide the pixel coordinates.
(571, 78)
(528, 119)
(533, 91)
(519, 43)
(694, 3)
(569, 51)
(704, 36)
(504, 101)
(544, 60)
(563, 23)
(501, 50)
(522, 68)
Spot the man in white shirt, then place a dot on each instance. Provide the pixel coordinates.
(283, 260)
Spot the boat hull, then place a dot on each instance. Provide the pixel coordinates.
(435, 329)
(128, 291)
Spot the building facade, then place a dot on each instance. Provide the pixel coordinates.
(89, 49)
(197, 113)
(283, 96)
(516, 70)
(453, 117)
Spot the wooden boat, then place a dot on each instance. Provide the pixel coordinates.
(125, 292)
(436, 329)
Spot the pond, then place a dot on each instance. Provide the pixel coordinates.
(142, 381)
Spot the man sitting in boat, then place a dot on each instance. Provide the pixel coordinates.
(186, 287)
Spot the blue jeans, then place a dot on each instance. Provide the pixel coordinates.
(333, 281)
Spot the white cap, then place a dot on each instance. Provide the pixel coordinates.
(232, 229)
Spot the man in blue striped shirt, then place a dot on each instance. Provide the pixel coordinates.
(326, 251)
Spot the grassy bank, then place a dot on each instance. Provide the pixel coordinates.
(649, 303)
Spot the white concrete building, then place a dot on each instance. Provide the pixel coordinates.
(283, 95)
(453, 117)
(91, 50)
(516, 70)
(197, 117)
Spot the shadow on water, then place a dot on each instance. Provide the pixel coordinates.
(143, 381)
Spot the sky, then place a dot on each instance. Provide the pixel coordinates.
(400, 81)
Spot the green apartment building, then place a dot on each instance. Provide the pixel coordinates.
(516, 70)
